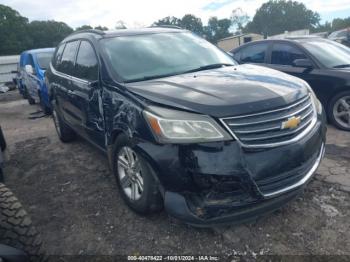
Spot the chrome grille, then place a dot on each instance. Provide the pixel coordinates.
(265, 129)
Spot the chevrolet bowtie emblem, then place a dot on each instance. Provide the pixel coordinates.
(291, 123)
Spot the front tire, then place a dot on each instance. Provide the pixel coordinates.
(135, 179)
(339, 111)
(64, 132)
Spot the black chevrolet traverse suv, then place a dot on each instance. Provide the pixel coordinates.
(323, 64)
(184, 126)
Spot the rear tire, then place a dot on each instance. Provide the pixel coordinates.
(339, 111)
(31, 100)
(64, 132)
(146, 201)
(25, 93)
(16, 229)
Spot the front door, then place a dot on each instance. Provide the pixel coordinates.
(282, 58)
(87, 94)
(32, 80)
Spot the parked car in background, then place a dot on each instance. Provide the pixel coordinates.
(184, 126)
(341, 36)
(32, 67)
(323, 64)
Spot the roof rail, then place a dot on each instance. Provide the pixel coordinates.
(167, 26)
(94, 31)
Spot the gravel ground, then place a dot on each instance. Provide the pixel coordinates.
(74, 201)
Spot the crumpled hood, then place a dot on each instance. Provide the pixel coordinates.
(227, 91)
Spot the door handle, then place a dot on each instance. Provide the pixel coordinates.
(71, 93)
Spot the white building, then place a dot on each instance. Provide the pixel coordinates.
(7, 65)
(232, 42)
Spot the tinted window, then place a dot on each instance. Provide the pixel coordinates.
(284, 54)
(44, 59)
(86, 64)
(253, 53)
(139, 57)
(58, 55)
(67, 61)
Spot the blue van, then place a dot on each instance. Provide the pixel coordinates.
(31, 82)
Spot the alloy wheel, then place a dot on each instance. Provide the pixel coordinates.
(130, 173)
(341, 111)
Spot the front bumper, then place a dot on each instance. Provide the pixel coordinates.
(177, 205)
(215, 183)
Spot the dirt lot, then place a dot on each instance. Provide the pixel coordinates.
(74, 202)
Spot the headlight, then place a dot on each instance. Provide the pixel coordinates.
(172, 126)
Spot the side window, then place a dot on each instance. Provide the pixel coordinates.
(254, 53)
(285, 54)
(67, 62)
(86, 65)
(58, 56)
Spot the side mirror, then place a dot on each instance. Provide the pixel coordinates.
(304, 63)
(29, 69)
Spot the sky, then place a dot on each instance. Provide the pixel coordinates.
(143, 13)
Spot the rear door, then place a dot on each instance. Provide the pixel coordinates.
(65, 90)
(87, 94)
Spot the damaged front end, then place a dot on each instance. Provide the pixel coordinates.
(226, 182)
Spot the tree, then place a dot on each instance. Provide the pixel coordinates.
(120, 25)
(83, 27)
(103, 28)
(326, 27)
(169, 20)
(192, 23)
(87, 27)
(277, 16)
(217, 29)
(239, 18)
(339, 23)
(47, 33)
(13, 36)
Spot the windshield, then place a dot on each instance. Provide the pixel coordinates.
(338, 34)
(44, 59)
(331, 54)
(141, 57)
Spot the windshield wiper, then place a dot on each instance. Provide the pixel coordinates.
(342, 66)
(206, 67)
(150, 77)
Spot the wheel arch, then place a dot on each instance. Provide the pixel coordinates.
(338, 90)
